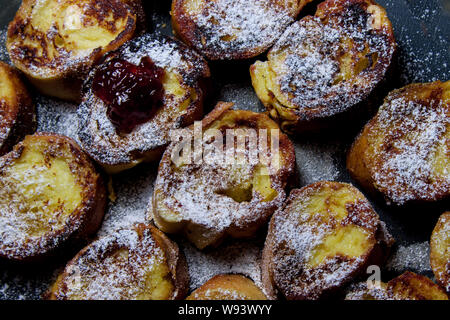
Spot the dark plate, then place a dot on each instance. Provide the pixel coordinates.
(422, 30)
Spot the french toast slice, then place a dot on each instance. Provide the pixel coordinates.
(232, 29)
(55, 42)
(183, 76)
(211, 199)
(324, 65)
(403, 152)
(228, 287)
(440, 251)
(325, 236)
(50, 195)
(408, 286)
(140, 263)
(17, 114)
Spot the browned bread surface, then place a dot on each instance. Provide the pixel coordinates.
(140, 263)
(185, 73)
(212, 200)
(50, 194)
(228, 287)
(325, 235)
(440, 251)
(17, 114)
(408, 286)
(56, 42)
(232, 29)
(403, 152)
(325, 64)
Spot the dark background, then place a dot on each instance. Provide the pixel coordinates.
(422, 30)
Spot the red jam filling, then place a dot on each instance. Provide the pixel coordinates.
(131, 93)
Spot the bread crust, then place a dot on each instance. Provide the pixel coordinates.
(408, 286)
(17, 114)
(186, 75)
(227, 203)
(56, 43)
(232, 29)
(336, 237)
(326, 65)
(228, 287)
(402, 152)
(30, 231)
(440, 251)
(143, 245)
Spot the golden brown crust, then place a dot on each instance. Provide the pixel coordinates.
(411, 286)
(184, 81)
(228, 287)
(325, 65)
(440, 251)
(403, 152)
(55, 43)
(408, 286)
(211, 200)
(51, 195)
(140, 263)
(232, 29)
(323, 237)
(17, 114)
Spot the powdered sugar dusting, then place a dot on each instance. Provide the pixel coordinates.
(241, 257)
(418, 131)
(100, 273)
(312, 51)
(415, 257)
(98, 135)
(234, 27)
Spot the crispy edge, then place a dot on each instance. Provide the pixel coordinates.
(94, 202)
(234, 231)
(175, 258)
(235, 283)
(20, 117)
(66, 85)
(436, 260)
(377, 255)
(185, 29)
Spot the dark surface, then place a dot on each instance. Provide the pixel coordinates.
(422, 30)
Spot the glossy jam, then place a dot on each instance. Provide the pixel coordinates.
(132, 93)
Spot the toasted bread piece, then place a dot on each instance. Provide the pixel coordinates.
(440, 251)
(140, 263)
(17, 115)
(212, 199)
(228, 287)
(185, 74)
(56, 42)
(232, 29)
(50, 194)
(324, 237)
(403, 152)
(323, 65)
(408, 286)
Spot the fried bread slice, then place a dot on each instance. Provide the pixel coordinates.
(140, 263)
(184, 74)
(50, 194)
(228, 287)
(403, 152)
(408, 286)
(17, 114)
(324, 65)
(232, 29)
(325, 235)
(440, 251)
(55, 42)
(215, 198)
